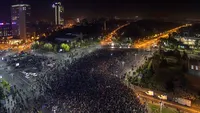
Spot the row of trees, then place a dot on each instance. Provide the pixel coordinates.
(148, 75)
(127, 40)
(65, 46)
(51, 47)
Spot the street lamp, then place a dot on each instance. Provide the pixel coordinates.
(161, 106)
(123, 63)
(135, 56)
(1, 78)
(11, 75)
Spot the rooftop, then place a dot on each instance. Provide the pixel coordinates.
(20, 5)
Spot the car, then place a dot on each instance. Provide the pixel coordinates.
(150, 93)
(162, 97)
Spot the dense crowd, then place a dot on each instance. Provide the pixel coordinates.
(90, 84)
(27, 61)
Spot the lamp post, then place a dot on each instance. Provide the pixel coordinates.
(135, 56)
(1, 79)
(123, 63)
(161, 106)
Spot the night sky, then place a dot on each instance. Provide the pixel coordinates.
(42, 9)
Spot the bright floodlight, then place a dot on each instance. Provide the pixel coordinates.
(17, 64)
(60, 50)
(1, 77)
(112, 44)
(2, 58)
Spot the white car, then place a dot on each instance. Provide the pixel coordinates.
(150, 93)
(163, 97)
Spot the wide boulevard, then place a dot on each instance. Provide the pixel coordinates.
(93, 67)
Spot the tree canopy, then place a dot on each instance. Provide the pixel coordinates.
(35, 45)
(1, 93)
(65, 46)
(48, 46)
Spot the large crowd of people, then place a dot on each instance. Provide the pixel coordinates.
(89, 84)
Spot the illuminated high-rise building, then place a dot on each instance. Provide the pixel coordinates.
(59, 13)
(105, 25)
(20, 17)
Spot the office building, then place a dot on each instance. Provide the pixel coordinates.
(5, 30)
(59, 13)
(20, 17)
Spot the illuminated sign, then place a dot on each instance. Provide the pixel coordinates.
(4, 24)
(13, 22)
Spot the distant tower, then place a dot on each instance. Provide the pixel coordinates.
(78, 20)
(59, 13)
(105, 25)
(20, 17)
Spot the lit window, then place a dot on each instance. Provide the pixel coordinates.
(192, 67)
(24, 8)
(197, 68)
(14, 18)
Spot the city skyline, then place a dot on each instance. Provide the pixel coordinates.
(71, 56)
(43, 9)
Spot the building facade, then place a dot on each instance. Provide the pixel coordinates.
(20, 18)
(59, 13)
(5, 30)
(194, 67)
(190, 41)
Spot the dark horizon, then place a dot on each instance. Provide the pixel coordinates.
(41, 9)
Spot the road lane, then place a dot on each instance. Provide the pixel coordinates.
(155, 38)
